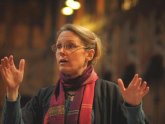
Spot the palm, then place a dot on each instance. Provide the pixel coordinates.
(136, 90)
(11, 75)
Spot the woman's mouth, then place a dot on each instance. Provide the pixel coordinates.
(63, 61)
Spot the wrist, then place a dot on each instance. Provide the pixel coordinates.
(12, 94)
(131, 104)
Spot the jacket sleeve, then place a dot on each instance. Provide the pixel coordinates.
(136, 114)
(12, 113)
(32, 113)
(109, 106)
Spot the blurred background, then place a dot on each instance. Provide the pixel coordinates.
(132, 32)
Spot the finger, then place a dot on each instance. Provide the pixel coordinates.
(6, 61)
(3, 73)
(2, 62)
(134, 80)
(121, 85)
(1, 66)
(145, 91)
(139, 82)
(22, 65)
(11, 62)
(143, 86)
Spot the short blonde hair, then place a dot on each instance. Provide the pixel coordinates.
(89, 39)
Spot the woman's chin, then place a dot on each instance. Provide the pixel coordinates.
(65, 70)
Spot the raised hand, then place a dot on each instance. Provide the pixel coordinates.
(136, 90)
(12, 76)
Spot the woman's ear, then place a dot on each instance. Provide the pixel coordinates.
(90, 54)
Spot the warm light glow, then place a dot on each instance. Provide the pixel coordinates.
(73, 4)
(128, 4)
(68, 2)
(67, 11)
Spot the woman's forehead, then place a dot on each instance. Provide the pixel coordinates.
(67, 33)
(68, 36)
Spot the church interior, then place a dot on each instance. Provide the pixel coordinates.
(132, 33)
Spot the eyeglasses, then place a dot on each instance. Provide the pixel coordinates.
(70, 47)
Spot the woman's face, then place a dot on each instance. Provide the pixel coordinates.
(72, 58)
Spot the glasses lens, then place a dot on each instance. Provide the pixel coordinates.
(67, 47)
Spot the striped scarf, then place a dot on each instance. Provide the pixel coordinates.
(80, 109)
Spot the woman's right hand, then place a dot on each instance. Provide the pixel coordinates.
(12, 76)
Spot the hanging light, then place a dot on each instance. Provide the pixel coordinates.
(67, 11)
(68, 2)
(73, 4)
(126, 5)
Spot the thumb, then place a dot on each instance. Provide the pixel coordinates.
(22, 65)
(121, 85)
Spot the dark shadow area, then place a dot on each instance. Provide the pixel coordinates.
(24, 100)
(128, 74)
(155, 70)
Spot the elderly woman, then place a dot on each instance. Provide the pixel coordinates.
(79, 96)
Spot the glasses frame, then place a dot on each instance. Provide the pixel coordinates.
(68, 50)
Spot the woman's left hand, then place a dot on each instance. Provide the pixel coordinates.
(136, 90)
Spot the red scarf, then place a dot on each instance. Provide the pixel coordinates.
(80, 110)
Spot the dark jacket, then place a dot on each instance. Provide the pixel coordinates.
(108, 107)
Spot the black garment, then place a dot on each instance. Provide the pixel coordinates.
(108, 107)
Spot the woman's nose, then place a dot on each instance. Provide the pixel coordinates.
(62, 51)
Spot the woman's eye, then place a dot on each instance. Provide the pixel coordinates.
(71, 46)
(58, 46)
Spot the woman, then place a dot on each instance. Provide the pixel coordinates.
(79, 96)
